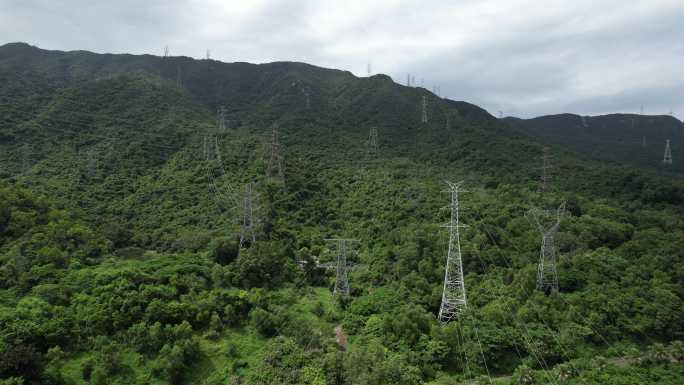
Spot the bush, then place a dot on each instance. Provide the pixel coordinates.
(264, 322)
(224, 250)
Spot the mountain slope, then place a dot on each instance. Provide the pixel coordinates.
(628, 139)
(119, 255)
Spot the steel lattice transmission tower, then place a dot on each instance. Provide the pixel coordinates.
(545, 178)
(275, 163)
(454, 300)
(221, 120)
(223, 193)
(307, 93)
(248, 223)
(667, 158)
(423, 117)
(344, 248)
(26, 154)
(373, 141)
(547, 275)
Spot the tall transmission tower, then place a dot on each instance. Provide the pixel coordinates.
(166, 51)
(221, 120)
(275, 163)
(223, 193)
(453, 294)
(344, 248)
(373, 141)
(547, 276)
(667, 158)
(208, 57)
(424, 117)
(369, 69)
(408, 80)
(545, 178)
(248, 221)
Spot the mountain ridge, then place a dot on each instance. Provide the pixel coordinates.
(626, 139)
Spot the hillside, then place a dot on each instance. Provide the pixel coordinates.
(627, 139)
(119, 255)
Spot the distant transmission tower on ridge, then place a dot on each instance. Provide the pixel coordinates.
(208, 57)
(545, 178)
(248, 221)
(373, 141)
(275, 163)
(453, 293)
(547, 276)
(667, 158)
(424, 117)
(344, 248)
(166, 51)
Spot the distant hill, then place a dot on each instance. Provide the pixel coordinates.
(628, 139)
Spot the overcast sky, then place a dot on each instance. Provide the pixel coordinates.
(522, 57)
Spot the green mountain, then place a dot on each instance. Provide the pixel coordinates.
(120, 223)
(626, 139)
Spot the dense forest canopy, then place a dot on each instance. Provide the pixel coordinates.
(120, 223)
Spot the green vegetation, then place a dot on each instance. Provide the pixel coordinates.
(627, 139)
(118, 265)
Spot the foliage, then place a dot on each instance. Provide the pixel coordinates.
(127, 269)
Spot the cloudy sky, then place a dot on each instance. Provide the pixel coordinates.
(522, 57)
